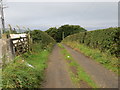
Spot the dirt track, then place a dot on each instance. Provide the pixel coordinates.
(103, 77)
(57, 75)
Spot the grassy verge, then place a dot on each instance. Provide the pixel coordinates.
(27, 71)
(0, 79)
(108, 61)
(78, 75)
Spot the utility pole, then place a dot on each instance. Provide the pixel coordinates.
(2, 18)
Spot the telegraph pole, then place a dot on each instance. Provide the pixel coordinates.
(2, 18)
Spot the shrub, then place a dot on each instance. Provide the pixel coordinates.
(42, 38)
(106, 40)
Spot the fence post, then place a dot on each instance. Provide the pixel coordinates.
(11, 49)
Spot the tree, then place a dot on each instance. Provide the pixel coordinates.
(52, 32)
(64, 31)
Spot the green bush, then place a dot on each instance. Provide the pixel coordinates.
(42, 38)
(20, 75)
(106, 40)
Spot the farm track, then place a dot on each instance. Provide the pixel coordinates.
(103, 77)
(57, 75)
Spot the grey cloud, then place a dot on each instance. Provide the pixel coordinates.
(45, 15)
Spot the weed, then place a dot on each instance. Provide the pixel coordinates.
(27, 71)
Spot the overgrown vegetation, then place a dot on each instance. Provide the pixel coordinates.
(0, 78)
(41, 37)
(108, 61)
(64, 31)
(106, 40)
(27, 70)
(78, 75)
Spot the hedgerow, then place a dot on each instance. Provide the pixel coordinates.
(27, 70)
(42, 38)
(106, 40)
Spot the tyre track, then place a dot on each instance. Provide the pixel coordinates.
(57, 75)
(103, 77)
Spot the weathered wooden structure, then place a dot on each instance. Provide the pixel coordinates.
(20, 43)
(16, 45)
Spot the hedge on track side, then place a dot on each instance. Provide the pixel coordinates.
(42, 38)
(106, 40)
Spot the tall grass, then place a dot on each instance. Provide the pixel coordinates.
(108, 61)
(0, 78)
(27, 71)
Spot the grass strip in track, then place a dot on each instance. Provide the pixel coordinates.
(77, 73)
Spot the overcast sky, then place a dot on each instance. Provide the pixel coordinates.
(43, 15)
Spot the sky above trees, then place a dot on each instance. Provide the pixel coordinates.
(43, 15)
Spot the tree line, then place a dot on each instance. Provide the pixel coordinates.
(60, 33)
